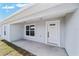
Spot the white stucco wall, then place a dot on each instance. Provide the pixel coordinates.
(0, 31)
(62, 32)
(7, 36)
(40, 31)
(16, 32)
(13, 32)
(72, 33)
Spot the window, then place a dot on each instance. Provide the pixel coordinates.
(30, 30)
(27, 27)
(4, 30)
(52, 24)
(27, 30)
(32, 33)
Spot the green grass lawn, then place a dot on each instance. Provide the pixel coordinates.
(9, 49)
(6, 50)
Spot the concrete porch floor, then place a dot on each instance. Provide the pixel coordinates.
(40, 49)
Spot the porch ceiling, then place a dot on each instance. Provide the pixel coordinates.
(58, 11)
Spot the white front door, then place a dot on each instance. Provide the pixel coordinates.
(53, 32)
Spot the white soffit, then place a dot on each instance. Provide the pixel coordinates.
(59, 10)
(50, 13)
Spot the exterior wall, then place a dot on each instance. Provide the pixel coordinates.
(72, 33)
(0, 31)
(40, 31)
(62, 33)
(13, 32)
(16, 32)
(7, 28)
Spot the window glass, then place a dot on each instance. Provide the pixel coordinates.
(52, 24)
(30, 30)
(31, 27)
(27, 32)
(27, 27)
(32, 33)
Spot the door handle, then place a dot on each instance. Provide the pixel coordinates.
(48, 34)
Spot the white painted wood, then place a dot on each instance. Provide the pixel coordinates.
(53, 32)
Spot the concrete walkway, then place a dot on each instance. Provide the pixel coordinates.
(40, 49)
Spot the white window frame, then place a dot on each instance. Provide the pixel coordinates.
(25, 30)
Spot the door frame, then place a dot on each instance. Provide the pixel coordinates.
(46, 41)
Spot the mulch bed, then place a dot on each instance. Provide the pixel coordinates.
(18, 49)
